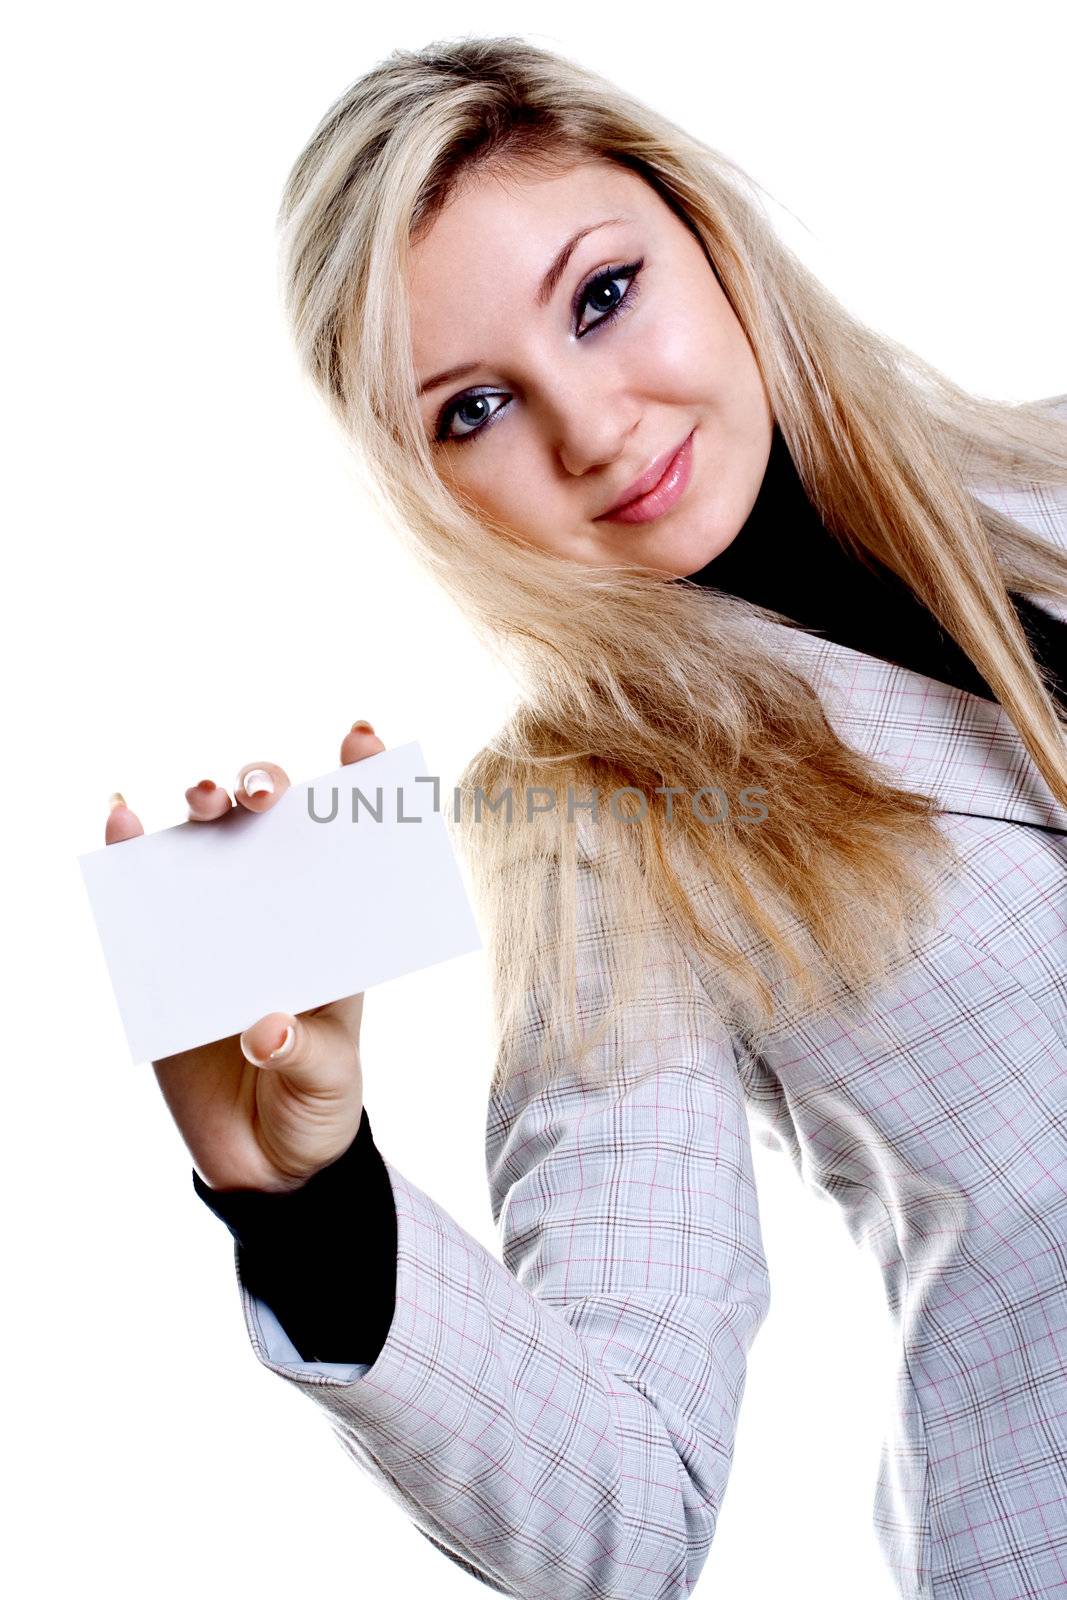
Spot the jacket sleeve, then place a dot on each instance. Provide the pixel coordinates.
(560, 1424)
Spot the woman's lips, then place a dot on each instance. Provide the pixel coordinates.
(666, 493)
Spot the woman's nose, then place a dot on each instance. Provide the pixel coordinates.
(594, 439)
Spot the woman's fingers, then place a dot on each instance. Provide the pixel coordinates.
(361, 740)
(317, 1053)
(259, 784)
(271, 1037)
(207, 801)
(121, 822)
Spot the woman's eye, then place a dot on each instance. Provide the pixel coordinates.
(602, 294)
(472, 408)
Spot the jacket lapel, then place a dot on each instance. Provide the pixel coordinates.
(935, 739)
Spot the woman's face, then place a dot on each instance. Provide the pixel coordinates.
(564, 402)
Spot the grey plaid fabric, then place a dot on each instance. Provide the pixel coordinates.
(561, 1424)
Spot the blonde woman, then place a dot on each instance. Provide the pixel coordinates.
(788, 838)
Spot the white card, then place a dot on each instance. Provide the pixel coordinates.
(206, 927)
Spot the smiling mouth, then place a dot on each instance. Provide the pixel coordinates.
(663, 495)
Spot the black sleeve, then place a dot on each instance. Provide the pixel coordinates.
(323, 1256)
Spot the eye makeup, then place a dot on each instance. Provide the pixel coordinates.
(601, 279)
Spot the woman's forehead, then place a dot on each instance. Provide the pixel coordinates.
(519, 218)
(506, 202)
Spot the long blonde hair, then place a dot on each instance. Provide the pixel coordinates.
(632, 683)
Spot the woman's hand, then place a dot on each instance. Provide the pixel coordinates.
(269, 1107)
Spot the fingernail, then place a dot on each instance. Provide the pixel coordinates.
(286, 1044)
(282, 1050)
(361, 727)
(198, 790)
(116, 800)
(258, 782)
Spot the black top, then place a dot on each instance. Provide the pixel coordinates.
(323, 1257)
(786, 559)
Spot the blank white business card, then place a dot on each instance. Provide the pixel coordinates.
(347, 881)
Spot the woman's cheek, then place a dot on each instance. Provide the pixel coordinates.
(498, 481)
(674, 359)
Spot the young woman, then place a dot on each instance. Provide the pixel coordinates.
(788, 836)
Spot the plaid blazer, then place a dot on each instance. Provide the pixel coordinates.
(561, 1424)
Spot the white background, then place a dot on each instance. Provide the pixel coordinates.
(195, 581)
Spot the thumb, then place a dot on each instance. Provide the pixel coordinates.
(316, 1052)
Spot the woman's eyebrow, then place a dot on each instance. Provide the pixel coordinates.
(559, 264)
(547, 287)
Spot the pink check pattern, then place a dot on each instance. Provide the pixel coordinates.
(560, 1422)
